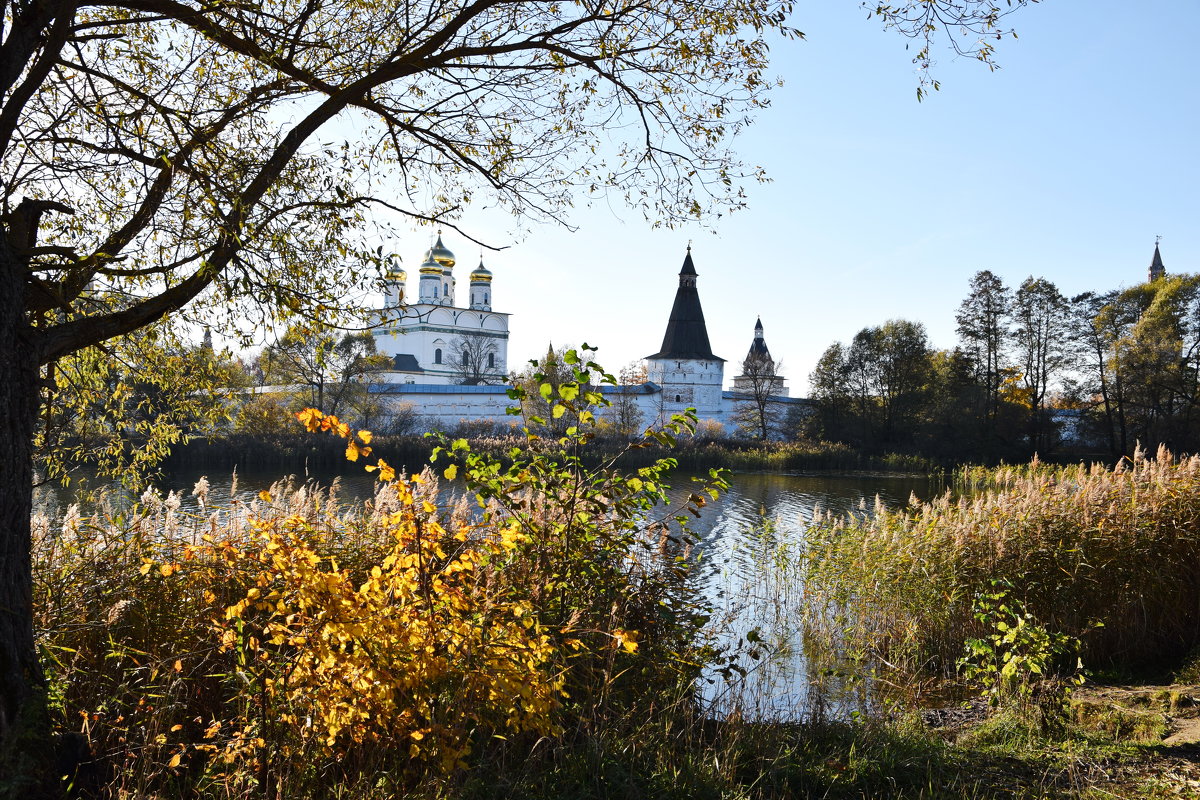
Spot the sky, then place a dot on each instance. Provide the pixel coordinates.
(1065, 163)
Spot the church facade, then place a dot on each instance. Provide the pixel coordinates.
(449, 362)
(435, 341)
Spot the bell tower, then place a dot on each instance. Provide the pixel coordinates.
(685, 368)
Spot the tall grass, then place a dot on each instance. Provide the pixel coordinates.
(291, 647)
(1081, 546)
(149, 663)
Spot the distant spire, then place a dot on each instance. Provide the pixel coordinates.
(1157, 270)
(688, 267)
(758, 348)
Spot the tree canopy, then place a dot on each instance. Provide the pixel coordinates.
(192, 142)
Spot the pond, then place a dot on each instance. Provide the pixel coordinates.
(747, 543)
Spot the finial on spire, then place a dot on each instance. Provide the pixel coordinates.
(689, 245)
(1157, 239)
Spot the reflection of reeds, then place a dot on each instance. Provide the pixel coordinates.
(772, 668)
(1079, 544)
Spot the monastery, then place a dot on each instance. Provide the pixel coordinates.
(450, 361)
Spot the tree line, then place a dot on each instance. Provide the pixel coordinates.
(1032, 371)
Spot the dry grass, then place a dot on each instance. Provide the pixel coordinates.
(1079, 545)
(154, 633)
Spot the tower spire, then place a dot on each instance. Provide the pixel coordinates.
(687, 334)
(758, 348)
(1157, 270)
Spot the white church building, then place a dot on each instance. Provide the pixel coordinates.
(435, 341)
(449, 362)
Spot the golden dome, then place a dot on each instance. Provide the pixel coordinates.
(481, 273)
(430, 267)
(441, 255)
(397, 275)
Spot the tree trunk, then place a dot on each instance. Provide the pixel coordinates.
(26, 751)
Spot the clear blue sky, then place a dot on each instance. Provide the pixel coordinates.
(1064, 164)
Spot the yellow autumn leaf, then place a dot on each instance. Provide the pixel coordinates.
(265, 496)
(174, 762)
(352, 450)
(365, 436)
(451, 472)
(310, 418)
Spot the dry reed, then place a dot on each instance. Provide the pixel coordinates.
(1080, 545)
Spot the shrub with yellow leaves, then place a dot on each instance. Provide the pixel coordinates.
(421, 651)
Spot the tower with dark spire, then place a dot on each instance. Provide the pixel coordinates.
(687, 335)
(758, 348)
(1157, 270)
(685, 368)
(759, 370)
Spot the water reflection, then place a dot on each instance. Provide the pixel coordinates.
(750, 543)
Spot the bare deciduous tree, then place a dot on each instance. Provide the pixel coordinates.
(757, 410)
(472, 357)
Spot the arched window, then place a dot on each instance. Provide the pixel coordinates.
(435, 292)
(678, 398)
(437, 356)
(446, 289)
(465, 354)
(485, 299)
(491, 359)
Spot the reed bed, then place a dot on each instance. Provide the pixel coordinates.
(295, 646)
(1110, 555)
(136, 627)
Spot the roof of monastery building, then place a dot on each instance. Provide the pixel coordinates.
(687, 335)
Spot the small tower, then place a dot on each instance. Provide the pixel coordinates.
(684, 367)
(443, 257)
(759, 376)
(393, 286)
(758, 348)
(481, 288)
(1157, 270)
(430, 289)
